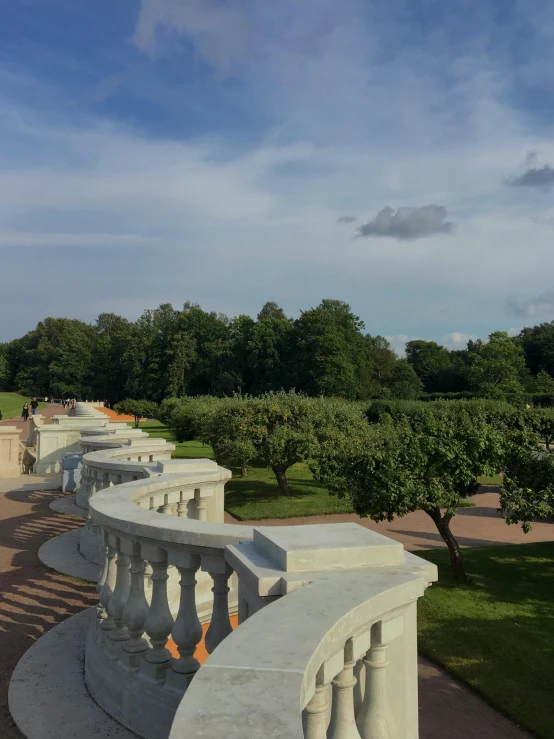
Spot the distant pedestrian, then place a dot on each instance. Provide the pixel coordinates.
(34, 406)
(25, 411)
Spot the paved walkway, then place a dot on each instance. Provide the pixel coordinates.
(47, 413)
(473, 527)
(34, 599)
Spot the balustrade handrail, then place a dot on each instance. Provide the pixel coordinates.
(266, 672)
(117, 509)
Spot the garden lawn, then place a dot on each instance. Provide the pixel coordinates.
(183, 450)
(12, 403)
(497, 634)
(256, 496)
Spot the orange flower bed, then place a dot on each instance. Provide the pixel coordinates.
(201, 654)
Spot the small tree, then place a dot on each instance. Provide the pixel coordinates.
(428, 459)
(137, 408)
(528, 484)
(278, 430)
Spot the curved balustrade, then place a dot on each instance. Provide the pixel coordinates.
(109, 460)
(128, 669)
(326, 646)
(337, 660)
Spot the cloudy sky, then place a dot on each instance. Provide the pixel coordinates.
(396, 154)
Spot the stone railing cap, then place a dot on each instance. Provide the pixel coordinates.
(336, 546)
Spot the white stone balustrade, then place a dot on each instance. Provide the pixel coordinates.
(327, 620)
(296, 667)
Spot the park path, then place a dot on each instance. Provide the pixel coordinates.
(481, 525)
(34, 599)
(51, 410)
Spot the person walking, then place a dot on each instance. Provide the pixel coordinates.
(25, 411)
(34, 406)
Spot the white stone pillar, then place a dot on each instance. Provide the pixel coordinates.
(343, 720)
(135, 612)
(187, 630)
(373, 719)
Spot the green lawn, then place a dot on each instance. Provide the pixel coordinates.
(12, 403)
(255, 497)
(183, 450)
(497, 634)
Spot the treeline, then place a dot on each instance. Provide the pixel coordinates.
(324, 352)
(388, 457)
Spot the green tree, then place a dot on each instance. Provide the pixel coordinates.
(404, 383)
(4, 369)
(181, 354)
(543, 383)
(528, 485)
(138, 408)
(425, 459)
(331, 350)
(277, 430)
(497, 368)
(112, 336)
(430, 362)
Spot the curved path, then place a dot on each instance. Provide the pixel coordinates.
(481, 525)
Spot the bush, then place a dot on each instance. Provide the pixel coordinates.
(188, 418)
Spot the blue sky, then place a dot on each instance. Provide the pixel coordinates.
(394, 154)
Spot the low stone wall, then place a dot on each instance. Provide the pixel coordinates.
(10, 465)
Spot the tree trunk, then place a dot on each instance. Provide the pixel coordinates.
(443, 525)
(281, 477)
(137, 421)
(243, 471)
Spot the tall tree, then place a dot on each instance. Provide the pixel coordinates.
(497, 368)
(331, 350)
(430, 361)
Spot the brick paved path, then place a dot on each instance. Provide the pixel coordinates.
(33, 599)
(473, 527)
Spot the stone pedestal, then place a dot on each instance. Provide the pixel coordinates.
(9, 451)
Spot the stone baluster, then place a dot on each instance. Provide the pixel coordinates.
(187, 630)
(106, 593)
(315, 715)
(181, 506)
(100, 610)
(359, 674)
(118, 601)
(373, 719)
(167, 507)
(135, 611)
(343, 720)
(152, 506)
(159, 621)
(201, 505)
(220, 625)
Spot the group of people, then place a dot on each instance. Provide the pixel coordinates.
(33, 405)
(69, 403)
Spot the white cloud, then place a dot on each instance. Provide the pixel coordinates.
(220, 33)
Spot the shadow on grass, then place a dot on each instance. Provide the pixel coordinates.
(497, 634)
